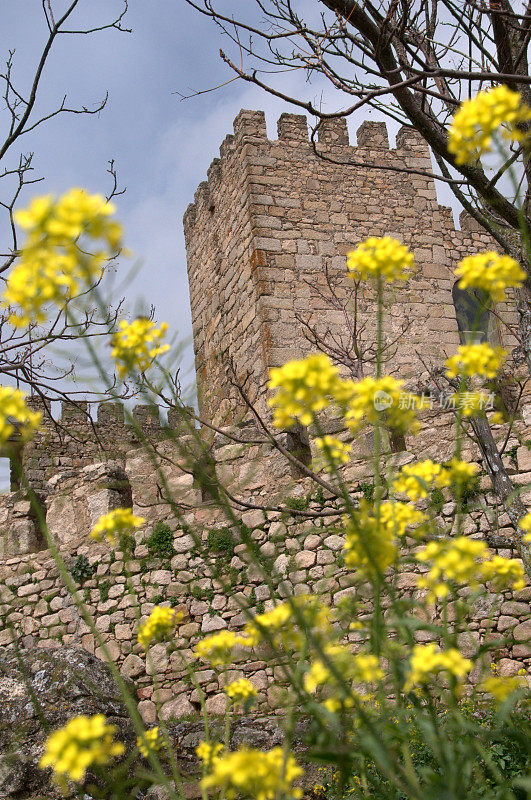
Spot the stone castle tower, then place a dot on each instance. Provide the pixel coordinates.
(274, 218)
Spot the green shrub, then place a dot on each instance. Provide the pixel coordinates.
(160, 543)
(367, 489)
(297, 503)
(103, 588)
(221, 541)
(437, 501)
(501, 747)
(82, 570)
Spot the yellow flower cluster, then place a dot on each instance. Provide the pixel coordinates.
(504, 572)
(159, 624)
(254, 773)
(400, 517)
(67, 243)
(501, 688)
(218, 648)
(149, 742)
(305, 387)
(491, 273)
(461, 472)
(384, 257)
(114, 524)
(74, 214)
(382, 400)
(335, 451)
(240, 691)
(83, 741)
(311, 384)
(359, 669)
(525, 525)
(465, 562)
(208, 752)
(370, 545)
(281, 625)
(15, 416)
(136, 344)
(475, 359)
(427, 660)
(416, 480)
(473, 125)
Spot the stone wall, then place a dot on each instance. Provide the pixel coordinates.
(297, 554)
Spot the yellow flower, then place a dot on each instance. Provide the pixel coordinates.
(398, 517)
(475, 359)
(149, 742)
(114, 524)
(427, 661)
(461, 473)
(208, 752)
(525, 525)
(382, 400)
(465, 562)
(67, 243)
(359, 669)
(497, 418)
(473, 125)
(83, 741)
(15, 416)
(73, 214)
(501, 688)
(254, 773)
(218, 648)
(241, 691)
(370, 545)
(136, 344)
(305, 387)
(335, 451)
(158, 625)
(381, 257)
(416, 480)
(281, 624)
(491, 273)
(456, 560)
(504, 572)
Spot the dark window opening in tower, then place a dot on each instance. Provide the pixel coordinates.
(473, 313)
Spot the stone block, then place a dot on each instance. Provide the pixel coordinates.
(176, 708)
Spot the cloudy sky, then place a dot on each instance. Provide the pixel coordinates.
(162, 145)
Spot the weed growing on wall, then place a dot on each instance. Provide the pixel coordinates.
(160, 543)
(82, 570)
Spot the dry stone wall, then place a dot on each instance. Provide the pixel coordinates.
(295, 555)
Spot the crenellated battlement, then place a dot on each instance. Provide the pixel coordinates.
(90, 417)
(332, 138)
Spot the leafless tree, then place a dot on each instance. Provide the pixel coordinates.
(414, 61)
(25, 353)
